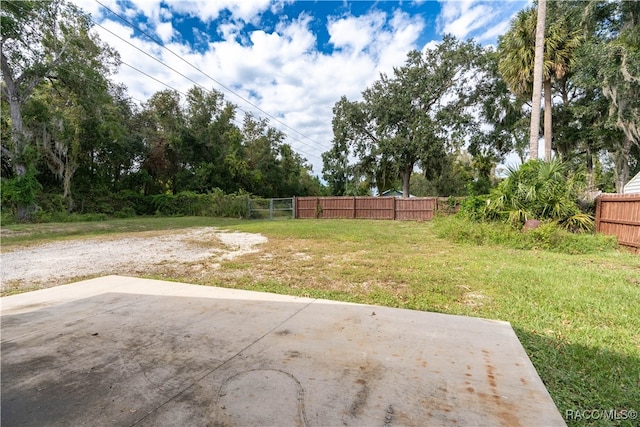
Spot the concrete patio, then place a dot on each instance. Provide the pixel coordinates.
(124, 351)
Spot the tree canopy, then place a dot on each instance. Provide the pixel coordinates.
(71, 134)
(409, 119)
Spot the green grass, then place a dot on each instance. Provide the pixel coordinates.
(577, 316)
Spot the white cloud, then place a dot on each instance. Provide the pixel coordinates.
(399, 40)
(165, 30)
(479, 19)
(495, 31)
(460, 18)
(95, 10)
(280, 70)
(207, 10)
(152, 9)
(431, 45)
(355, 33)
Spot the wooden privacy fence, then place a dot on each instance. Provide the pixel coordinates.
(619, 215)
(418, 208)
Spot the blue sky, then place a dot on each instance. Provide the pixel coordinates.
(287, 61)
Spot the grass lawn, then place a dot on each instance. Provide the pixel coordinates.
(577, 316)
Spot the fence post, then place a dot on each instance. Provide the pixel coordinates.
(248, 207)
(270, 208)
(598, 212)
(354, 207)
(294, 208)
(395, 206)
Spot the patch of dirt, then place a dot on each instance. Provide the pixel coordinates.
(57, 263)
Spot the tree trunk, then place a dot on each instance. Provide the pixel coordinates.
(406, 177)
(69, 170)
(548, 129)
(622, 166)
(15, 110)
(590, 174)
(18, 139)
(12, 93)
(534, 130)
(23, 210)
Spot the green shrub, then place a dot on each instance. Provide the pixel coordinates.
(51, 202)
(463, 230)
(546, 191)
(215, 203)
(548, 236)
(472, 207)
(8, 217)
(19, 194)
(125, 204)
(43, 216)
(180, 204)
(20, 189)
(127, 212)
(127, 201)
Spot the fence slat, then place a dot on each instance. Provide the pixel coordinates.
(392, 208)
(619, 215)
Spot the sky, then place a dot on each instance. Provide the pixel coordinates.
(286, 61)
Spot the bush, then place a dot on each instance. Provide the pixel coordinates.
(215, 203)
(125, 213)
(19, 194)
(126, 204)
(43, 216)
(472, 208)
(20, 189)
(545, 191)
(8, 217)
(131, 203)
(49, 202)
(549, 236)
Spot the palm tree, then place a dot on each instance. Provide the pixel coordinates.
(538, 63)
(546, 191)
(517, 53)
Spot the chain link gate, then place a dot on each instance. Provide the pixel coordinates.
(281, 208)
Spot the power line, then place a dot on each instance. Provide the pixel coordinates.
(160, 43)
(196, 83)
(179, 91)
(233, 119)
(186, 77)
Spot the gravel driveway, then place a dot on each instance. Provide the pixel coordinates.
(56, 263)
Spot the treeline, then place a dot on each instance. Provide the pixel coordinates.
(457, 110)
(105, 155)
(72, 140)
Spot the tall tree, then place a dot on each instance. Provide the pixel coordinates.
(517, 50)
(505, 120)
(164, 130)
(68, 115)
(214, 143)
(411, 118)
(42, 40)
(538, 65)
(610, 63)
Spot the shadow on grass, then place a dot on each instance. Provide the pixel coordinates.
(590, 386)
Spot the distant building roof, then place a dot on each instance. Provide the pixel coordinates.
(633, 186)
(393, 193)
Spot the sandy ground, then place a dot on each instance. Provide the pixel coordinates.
(57, 263)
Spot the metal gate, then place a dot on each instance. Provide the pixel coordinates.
(283, 208)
